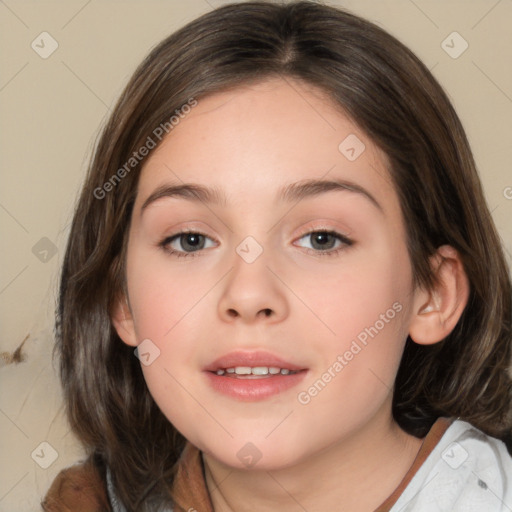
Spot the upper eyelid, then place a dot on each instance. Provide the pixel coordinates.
(186, 231)
(302, 233)
(320, 224)
(325, 229)
(344, 239)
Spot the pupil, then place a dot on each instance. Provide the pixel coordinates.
(191, 241)
(324, 240)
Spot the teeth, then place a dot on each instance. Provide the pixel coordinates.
(256, 370)
(260, 370)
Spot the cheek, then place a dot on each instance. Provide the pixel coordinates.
(169, 308)
(162, 295)
(358, 364)
(363, 308)
(354, 294)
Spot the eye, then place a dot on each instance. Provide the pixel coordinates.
(186, 243)
(321, 242)
(325, 242)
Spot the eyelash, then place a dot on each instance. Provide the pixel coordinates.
(180, 254)
(347, 242)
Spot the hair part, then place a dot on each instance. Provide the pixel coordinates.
(395, 100)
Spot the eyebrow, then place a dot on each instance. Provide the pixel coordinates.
(292, 192)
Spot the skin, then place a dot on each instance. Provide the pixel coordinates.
(343, 447)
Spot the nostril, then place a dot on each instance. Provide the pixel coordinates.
(234, 313)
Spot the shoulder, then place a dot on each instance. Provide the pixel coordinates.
(79, 488)
(466, 471)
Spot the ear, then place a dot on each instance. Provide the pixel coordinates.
(122, 319)
(437, 311)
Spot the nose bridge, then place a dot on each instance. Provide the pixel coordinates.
(251, 290)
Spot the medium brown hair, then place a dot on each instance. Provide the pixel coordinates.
(392, 97)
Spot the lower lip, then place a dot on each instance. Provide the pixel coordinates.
(254, 389)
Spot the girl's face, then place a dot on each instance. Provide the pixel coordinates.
(253, 284)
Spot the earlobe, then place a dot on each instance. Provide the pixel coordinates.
(122, 320)
(437, 311)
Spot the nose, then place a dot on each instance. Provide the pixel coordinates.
(252, 293)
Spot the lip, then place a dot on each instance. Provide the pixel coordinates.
(256, 358)
(253, 389)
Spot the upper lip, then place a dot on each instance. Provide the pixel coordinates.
(251, 359)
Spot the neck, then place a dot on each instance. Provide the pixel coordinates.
(355, 474)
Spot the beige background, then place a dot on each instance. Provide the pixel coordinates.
(51, 110)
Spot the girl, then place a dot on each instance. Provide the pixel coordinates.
(283, 289)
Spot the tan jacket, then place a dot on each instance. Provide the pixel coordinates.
(81, 488)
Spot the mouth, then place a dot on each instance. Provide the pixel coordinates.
(255, 372)
(252, 376)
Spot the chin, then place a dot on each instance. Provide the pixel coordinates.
(253, 456)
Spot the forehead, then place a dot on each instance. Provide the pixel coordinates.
(252, 141)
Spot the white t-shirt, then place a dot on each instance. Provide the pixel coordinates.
(467, 471)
